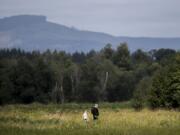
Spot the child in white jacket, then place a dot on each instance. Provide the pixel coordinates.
(85, 116)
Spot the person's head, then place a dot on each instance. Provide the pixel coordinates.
(96, 105)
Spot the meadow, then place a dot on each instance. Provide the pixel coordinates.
(115, 119)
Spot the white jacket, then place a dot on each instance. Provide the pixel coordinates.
(85, 115)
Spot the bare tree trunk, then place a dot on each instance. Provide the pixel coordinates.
(62, 90)
(73, 88)
(76, 81)
(105, 85)
(105, 82)
(62, 94)
(55, 93)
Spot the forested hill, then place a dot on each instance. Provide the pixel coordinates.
(30, 32)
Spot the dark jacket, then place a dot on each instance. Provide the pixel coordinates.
(94, 111)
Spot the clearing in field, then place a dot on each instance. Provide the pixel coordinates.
(67, 120)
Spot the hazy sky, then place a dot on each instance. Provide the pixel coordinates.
(154, 18)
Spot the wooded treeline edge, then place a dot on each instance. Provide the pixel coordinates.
(110, 75)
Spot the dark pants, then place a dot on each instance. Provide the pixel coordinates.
(95, 117)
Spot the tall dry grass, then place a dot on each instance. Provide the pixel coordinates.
(55, 119)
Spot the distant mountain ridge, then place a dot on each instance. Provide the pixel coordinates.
(32, 32)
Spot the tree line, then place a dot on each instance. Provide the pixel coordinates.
(109, 75)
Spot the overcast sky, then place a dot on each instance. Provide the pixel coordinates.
(152, 18)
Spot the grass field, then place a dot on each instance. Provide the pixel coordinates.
(115, 119)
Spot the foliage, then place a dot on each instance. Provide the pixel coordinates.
(166, 86)
(109, 75)
(141, 93)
